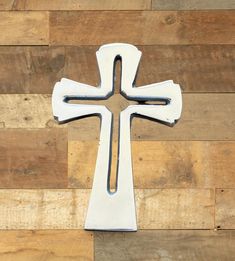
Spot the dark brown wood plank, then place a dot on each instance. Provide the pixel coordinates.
(196, 68)
(24, 28)
(33, 158)
(21, 245)
(82, 5)
(192, 4)
(165, 245)
(142, 27)
(225, 208)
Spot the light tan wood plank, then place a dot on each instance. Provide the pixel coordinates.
(6, 4)
(66, 209)
(225, 209)
(26, 111)
(33, 158)
(82, 5)
(204, 117)
(142, 27)
(192, 4)
(175, 208)
(36, 69)
(50, 245)
(161, 164)
(165, 245)
(24, 28)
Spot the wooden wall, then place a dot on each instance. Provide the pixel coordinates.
(184, 176)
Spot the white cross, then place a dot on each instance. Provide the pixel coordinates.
(107, 210)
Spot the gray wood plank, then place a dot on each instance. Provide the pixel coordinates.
(165, 245)
(192, 4)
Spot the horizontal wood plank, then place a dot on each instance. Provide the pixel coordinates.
(34, 245)
(33, 158)
(161, 164)
(24, 28)
(142, 27)
(82, 5)
(6, 5)
(66, 209)
(204, 117)
(165, 245)
(192, 4)
(196, 68)
(225, 209)
(26, 111)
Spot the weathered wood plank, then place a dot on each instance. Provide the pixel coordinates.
(26, 111)
(204, 117)
(225, 209)
(161, 164)
(165, 245)
(6, 4)
(192, 4)
(82, 5)
(196, 68)
(24, 28)
(34, 245)
(66, 209)
(33, 158)
(154, 27)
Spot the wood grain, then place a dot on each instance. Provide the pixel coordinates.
(34, 111)
(204, 117)
(202, 68)
(26, 111)
(82, 5)
(192, 4)
(6, 4)
(33, 158)
(142, 27)
(51, 245)
(161, 164)
(66, 209)
(24, 28)
(165, 245)
(225, 209)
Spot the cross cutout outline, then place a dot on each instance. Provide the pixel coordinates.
(107, 210)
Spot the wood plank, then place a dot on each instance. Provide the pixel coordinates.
(154, 27)
(192, 4)
(33, 158)
(24, 28)
(26, 111)
(36, 69)
(204, 117)
(6, 4)
(66, 209)
(46, 245)
(165, 245)
(168, 164)
(82, 5)
(225, 209)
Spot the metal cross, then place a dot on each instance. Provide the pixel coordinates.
(115, 211)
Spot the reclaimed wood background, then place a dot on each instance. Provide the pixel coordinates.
(184, 176)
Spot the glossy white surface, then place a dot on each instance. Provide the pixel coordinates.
(115, 211)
